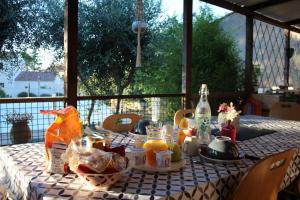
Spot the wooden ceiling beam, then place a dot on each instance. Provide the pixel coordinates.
(244, 11)
(292, 22)
(266, 4)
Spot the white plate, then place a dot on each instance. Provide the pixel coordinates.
(175, 166)
(214, 160)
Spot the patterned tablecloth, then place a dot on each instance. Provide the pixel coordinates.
(22, 171)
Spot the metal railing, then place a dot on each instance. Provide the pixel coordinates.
(94, 109)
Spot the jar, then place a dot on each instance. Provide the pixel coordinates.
(154, 143)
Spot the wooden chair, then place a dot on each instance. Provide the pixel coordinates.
(252, 107)
(263, 180)
(181, 114)
(288, 111)
(113, 122)
(3, 193)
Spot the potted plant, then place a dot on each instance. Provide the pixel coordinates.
(20, 131)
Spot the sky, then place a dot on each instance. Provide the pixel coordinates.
(175, 7)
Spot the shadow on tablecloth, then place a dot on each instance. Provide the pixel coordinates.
(247, 133)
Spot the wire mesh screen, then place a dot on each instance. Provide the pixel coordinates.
(14, 118)
(294, 79)
(268, 55)
(154, 108)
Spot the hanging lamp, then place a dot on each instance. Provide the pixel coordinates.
(138, 27)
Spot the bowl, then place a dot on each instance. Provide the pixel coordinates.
(222, 148)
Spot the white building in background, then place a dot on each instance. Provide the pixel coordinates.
(38, 83)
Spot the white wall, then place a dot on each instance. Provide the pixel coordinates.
(38, 88)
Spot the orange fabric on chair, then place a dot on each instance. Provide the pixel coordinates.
(288, 110)
(113, 122)
(263, 180)
(253, 107)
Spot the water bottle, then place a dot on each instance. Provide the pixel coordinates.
(203, 116)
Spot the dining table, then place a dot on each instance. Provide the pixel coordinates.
(22, 169)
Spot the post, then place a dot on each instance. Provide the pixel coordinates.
(249, 56)
(70, 51)
(187, 51)
(286, 70)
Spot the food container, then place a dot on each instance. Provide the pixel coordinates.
(163, 159)
(191, 146)
(138, 156)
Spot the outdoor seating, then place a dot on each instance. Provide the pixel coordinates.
(181, 114)
(265, 177)
(141, 99)
(114, 122)
(286, 110)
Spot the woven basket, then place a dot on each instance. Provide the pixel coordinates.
(102, 181)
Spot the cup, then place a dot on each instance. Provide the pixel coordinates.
(139, 156)
(163, 159)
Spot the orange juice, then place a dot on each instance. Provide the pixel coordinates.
(152, 146)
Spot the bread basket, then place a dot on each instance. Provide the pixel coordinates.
(102, 181)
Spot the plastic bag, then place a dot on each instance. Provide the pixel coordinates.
(92, 160)
(58, 135)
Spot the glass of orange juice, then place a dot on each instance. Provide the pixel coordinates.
(155, 143)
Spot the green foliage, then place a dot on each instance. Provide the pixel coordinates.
(45, 95)
(2, 93)
(59, 94)
(31, 60)
(107, 56)
(25, 94)
(106, 43)
(161, 73)
(215, 58)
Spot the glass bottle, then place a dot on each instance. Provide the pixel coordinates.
(203, 116)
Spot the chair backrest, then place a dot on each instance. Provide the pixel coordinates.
(288, 110)
(3, 193)
(252, 107)
(263, 180)
(114, 122)
(181, 114)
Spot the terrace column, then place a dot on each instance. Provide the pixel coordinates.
(286, 70)
(70, 51)
(249, 56)
(187, 51)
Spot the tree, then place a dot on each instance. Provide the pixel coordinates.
(107, 45)
(2, 93)
(26, 24)
(25, 94)
(215, 58)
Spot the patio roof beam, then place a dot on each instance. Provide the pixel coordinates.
(249, 56)
(70, 51)
(187, 52)
(247, 12)
(293, 22)
(266, 4)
